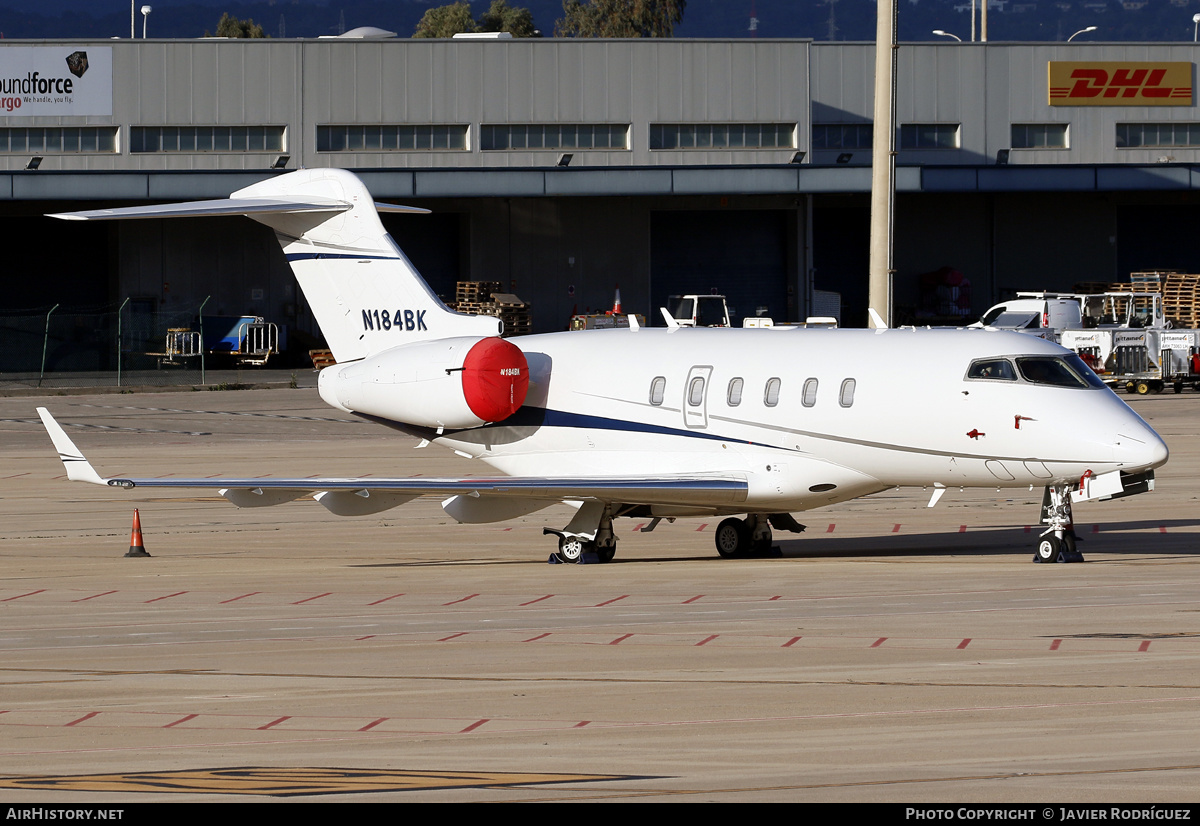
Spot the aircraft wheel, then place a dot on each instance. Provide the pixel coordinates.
(732, 538)
(571, 548)
(606, 554)
(1047, 549)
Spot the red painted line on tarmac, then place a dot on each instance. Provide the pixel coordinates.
(532, 601)
(1026, 529)
(168, 596)
(620, 639)
(474, 725)
(1162, 528)
(703, 525)
(611, 601)
(83, 719)
(772, 599)
(693, 599)
(581, 723)
(962, 528)
(506, 529)
(964, 644)
(707, 640)
(310, 599)
(538, 637)
(1145, 646)
(21, 596)
(1054, 644)
(385, 599)
(457, 601)
(274, 723)
(453, 636)
(830, 528)
(235, 599)
(367, 637)
(1095, 529)
(878, 642)
(93, 596)
(638, 526)
(896, 528)
(373, 723)
(15, 475)
(181, 720)
(791, 642)
(212, 476)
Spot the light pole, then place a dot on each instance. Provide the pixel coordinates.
(1196, 28)
(145, 17)
(941, 33)
(1081, 31)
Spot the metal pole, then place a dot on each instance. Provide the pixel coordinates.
(883, 162)
(200, 314)
(119, 310)
(45, 341)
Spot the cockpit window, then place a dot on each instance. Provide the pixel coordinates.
(996, 369)
(1057, 372)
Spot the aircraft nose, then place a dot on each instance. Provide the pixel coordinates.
(1140, 448)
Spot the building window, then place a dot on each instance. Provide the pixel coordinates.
(1039, 136)
(206, 139)
(658, 389)
(554, 136)
(1134, 135)
(843, 136)
(55, 139)
(771, 394)
(722, 136)
(929, 136)
(734, 396)
(391, 137)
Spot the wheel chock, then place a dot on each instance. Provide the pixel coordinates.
(589, 558)
(554, 560)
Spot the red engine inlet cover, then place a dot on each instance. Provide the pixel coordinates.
(495, 379)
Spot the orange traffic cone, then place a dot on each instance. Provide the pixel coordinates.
(136, 548)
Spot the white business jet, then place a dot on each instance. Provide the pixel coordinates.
(753, 424)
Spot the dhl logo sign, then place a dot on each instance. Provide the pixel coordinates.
(1120, 84)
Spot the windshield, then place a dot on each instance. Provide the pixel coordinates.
(1069, 371)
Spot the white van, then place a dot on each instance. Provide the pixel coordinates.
(1034, 314)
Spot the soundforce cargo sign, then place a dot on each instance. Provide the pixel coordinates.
(41, 81)
(1120, 84)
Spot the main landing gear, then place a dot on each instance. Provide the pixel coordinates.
(752, 535)
(1057, 542)
(589, 537)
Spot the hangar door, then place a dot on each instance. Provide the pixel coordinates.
(741, 254)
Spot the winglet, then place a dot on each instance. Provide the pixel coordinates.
(78, 468)
(877, 319)
(670, 319)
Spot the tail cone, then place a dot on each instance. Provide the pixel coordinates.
(136, 548)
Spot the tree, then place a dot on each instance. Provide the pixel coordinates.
(500, 17)
(230, 26)
(446, 21)
(619, 18)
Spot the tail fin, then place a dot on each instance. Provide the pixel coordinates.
(366, 295)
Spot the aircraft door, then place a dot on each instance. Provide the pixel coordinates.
(695, 397)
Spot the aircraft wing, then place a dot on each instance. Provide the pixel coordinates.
(224, 206)
(360, 496)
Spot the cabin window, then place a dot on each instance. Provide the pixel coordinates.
(658, 389)
(846, 397)
(696, 391)
(994, 369)
(734, 396)
(809, 397)
(771, 394)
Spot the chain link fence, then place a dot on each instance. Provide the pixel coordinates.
(134, 344)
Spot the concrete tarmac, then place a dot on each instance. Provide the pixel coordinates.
(892, 653)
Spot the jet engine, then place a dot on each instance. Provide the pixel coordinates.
(451, 383)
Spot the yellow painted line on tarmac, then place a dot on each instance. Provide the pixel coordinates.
(286, 782)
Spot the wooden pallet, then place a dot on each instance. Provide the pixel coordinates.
(321, 359)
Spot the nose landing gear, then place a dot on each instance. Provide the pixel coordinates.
(1057, 542)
